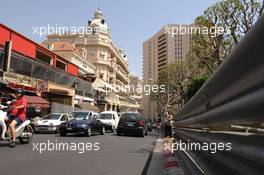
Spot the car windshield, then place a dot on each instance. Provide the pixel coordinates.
(130, 117)
(82, 115)
(106, 116)
(52, 117)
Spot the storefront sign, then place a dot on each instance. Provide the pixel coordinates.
(18, 81)
(42, 86)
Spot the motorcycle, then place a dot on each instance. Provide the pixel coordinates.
(24, 132)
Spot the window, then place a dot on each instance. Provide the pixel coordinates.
(20, 66)
(44, 57)
(42, 72)
(102, 75)
(60, 64)
(70, 117)
(95, 116)
(63, 118)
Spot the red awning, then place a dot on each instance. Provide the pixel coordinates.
(36, 101)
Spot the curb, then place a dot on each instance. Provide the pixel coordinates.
(171, 164)
(164, 162)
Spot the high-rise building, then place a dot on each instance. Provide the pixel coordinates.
(165, 47)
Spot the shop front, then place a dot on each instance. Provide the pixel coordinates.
(61, 97)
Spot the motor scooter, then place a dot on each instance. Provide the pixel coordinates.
(24, 132)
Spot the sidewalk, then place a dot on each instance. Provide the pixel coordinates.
(163, 161)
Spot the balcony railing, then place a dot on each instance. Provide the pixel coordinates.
(38, 70)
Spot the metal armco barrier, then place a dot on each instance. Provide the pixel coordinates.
(245, 158)
(235, 92)
(232, 98)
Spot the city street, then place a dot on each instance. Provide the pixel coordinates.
(118, 155)
(77, 78)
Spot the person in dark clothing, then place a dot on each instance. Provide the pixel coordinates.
(168, 124)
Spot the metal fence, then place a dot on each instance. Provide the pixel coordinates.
(235, 93)
(233, 96)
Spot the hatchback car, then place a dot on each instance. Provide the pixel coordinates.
(131, 123)
(84, 123)
(51, 122)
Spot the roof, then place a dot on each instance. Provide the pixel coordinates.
(38, 46)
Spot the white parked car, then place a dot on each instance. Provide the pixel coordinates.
(51, 122)
(110, 119)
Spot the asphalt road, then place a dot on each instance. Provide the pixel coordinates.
(117, 155)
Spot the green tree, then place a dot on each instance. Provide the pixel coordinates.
(174, 78)
(236, 17)
(194, 86)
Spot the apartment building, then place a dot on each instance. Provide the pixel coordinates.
(101, 56)
(165, 47)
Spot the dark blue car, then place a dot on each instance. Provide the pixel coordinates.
(83, 123)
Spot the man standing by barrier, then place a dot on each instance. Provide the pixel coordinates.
(168, 124)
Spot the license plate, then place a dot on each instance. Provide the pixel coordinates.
(69, 128)
(43, 129)
(130, 124)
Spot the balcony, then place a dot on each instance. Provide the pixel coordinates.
(122, 74)
(38, 70)
(104, 62)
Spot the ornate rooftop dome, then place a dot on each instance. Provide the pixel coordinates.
(99, 22)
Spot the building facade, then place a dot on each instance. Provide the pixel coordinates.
(135, 89)
(43, 74)
(163, 48)
(109, 62)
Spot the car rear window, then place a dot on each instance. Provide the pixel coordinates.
(81, 115)
(130, 117)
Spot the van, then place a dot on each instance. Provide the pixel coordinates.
(110, 119)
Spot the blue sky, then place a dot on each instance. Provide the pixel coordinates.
(131, 21)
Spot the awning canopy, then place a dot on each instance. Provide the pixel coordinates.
(36, 101)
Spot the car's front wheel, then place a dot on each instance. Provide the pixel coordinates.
(102, 131)
(89, 132)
